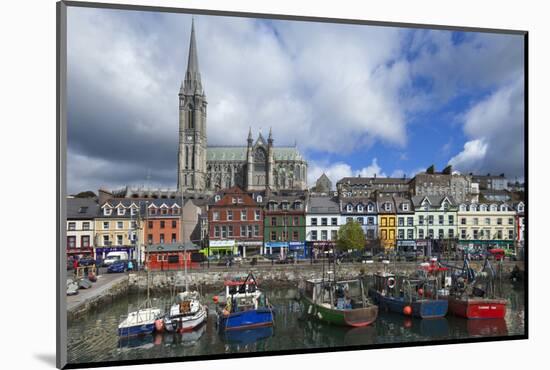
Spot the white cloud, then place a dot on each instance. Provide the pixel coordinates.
(495, 127)
(337, 171)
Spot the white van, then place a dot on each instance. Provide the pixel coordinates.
(112, 257)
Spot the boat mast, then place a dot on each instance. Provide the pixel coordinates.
(184, 246)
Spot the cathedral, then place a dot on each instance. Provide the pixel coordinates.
(256, 166)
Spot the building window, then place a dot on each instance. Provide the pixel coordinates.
(334, 221)
(224, 232)
(229, 215)
(324, 235)
(324, 221)
(405, 206)
(401, 221)
(257, 215)
(441, 220)
(383, 221)
(243, 215)
(174, 224)
(161, 238)
(313, 234)
(106, 241)
(314, 221)
(462, 234)
(106, 225)
(499, 234)
(120, 225)
(476, 234)
(150, 238)
(72, 226)
(421, 220)
(463, 220)
(349, 219)
(216, 231)
(215, 216)
(173, 237)
(295, 235)
(476, 221)
(441, 234)
(273, 221)
(250, 231)
(119, 240)
(409, 234)
(401, 234)
(451, 233)
(421, 234)
(256, 230)
(333, 234)
(387, 206)
(370, 234)
(85, 241)
(150, 224)
(71, 242)
(295, 221)
(162, 224)
(430, 233)
(349, 208)
(510, 221)
(499, 221)
(430, 220)
(384, 235)
(391, 221)
(273, 235)
(230, 231)
(510, 234)
(85, 226)
(153, 211)
(360, 220)
(410, 221)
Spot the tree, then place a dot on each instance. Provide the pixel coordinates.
(350, 236)
(85, 194)
(431, 170)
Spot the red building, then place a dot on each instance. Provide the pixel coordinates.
(162, 224)
(235, 220)
(171, 257)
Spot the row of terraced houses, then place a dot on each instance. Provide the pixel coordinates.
(300, 223)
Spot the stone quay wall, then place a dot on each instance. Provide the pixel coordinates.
(275, 275)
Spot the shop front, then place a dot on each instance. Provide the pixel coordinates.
(276, 248)
(476, 246)
(249, 248)
(317, 248)
(102, 252)
(298, 250)
(220, 248)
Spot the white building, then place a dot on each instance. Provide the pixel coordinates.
(322, 222)
(80, 226)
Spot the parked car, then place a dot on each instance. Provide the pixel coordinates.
(288, 259)
(118, 266)
(86, 261)
(115, 256)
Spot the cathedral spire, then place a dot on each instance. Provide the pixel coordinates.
(193, 76)
(250, 135)
(270, 137)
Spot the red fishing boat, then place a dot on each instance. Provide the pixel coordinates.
(471, 295)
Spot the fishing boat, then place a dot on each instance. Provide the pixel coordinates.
(405, 295)
(186, 314)
(338, 302)
(474, 295)
(243, 306)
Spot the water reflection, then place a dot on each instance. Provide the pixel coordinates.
(94, 338)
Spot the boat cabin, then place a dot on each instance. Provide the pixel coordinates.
(341, 295)
(243, 294)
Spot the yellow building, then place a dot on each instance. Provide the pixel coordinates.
(387, 226)
(118, 228)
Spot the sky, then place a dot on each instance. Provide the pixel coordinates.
(355, 99)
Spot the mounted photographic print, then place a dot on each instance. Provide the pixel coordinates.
(239, 184)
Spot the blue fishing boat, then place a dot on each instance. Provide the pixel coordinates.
(405, 295)
(243, 306)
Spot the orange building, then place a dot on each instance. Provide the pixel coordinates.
(163, 222)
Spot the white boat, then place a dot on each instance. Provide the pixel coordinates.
(186, 314)
(139, 322)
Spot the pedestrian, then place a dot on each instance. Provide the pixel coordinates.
(75, 265)
(130, 266)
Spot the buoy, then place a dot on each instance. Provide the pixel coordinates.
(215, 299)
(159, 325)
(407, 310)
(407, 323)
(420, 291)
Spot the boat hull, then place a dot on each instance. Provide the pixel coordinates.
(142, 329)
(422, 309)
(358, 317)
(185, 323)
(246, 319)
(477, 308)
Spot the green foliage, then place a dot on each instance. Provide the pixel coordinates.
(431, 169)
(350, 236)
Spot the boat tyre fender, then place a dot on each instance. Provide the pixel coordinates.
(391, 283)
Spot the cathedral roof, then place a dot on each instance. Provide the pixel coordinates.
(238, 153)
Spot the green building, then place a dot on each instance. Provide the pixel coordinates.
(285, 226)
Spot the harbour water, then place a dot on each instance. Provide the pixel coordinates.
(94, 337)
